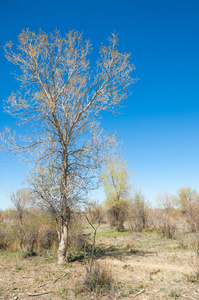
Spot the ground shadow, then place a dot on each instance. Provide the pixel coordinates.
(113, 252)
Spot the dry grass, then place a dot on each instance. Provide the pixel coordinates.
(133, 263)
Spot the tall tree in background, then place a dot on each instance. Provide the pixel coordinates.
(115, 180)
(188, 199)
(60, 102)
(185, 196)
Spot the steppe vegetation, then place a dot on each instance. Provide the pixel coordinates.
(156, 261)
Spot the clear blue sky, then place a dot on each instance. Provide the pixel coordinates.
(160, 127)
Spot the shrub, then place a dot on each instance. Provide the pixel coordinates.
(28, 234)
(48, 238)
(76, 237)
(7, 230)
(7, 236)
(117, 215)
(168, 227)
(97, 214)
(138, 214)
(99, 277)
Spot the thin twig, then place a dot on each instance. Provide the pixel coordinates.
(142, 291)
(42, 285)
(61, 277)
(188, 297)
(39, 294)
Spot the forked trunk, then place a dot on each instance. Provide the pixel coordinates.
(63, 243)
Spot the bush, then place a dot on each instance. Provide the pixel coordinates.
(99, 277)
(48, 238)
(7, 236)
(7, 231)
(28, 234)
(164, 222)
(97, 214)
(168, 227)
(117, 215)
(138, 214)
(76, 236)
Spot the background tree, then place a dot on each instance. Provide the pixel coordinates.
(167, 225)
(25, 221)
(185, 196)
(188, 199)
(115, 180)
(166, 201)
(138, 212)
(60, 102)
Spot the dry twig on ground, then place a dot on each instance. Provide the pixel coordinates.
(39, 294)
(61, 277)
(142, 291)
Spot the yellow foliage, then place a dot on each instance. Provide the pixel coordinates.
(115, 181)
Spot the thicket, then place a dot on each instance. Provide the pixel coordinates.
(36, 230)
(28, 228)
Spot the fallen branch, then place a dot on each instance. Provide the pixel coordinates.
(39, 294)
(188, 297)
(155, 272)
(142, 291)
(61, 277)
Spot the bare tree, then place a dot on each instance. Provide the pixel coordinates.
(20, 199)
(166, 201)
(26, 234)
(138, 212)
(61, 103)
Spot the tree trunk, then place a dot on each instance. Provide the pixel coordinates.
(65, 211)
(63, 243)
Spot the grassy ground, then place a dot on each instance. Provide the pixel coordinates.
(139, 262)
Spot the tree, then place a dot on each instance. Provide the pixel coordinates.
(60, 102)
(115, 180)
(138, 212)
(166, 201)
(26, 231)
(186, 196)
(188, 199)
(167, 224)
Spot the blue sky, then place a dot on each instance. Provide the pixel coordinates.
(160, 125)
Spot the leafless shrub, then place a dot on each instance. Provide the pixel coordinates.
(97, 213)
(168, 227)
(7, 230)
(28, 234)
(76, 236)
(7, 236)
(48, 238)
(167, 219)
(100, 277)
(138, 214)
(154, 218)
(188, 201)
(163, 222)
(194, 264)
(182, 238)
(192, 214)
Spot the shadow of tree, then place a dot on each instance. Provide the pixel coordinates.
(112, 251)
